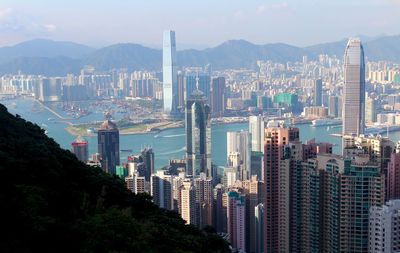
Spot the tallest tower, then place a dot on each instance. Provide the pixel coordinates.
(354, 89)
(170, 85)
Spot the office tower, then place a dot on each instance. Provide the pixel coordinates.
(236, 225)
(181, 90)
(80, 148)
(256, 129)
(188, 202)
(257, 164)
(204, 200)
(317, 99)
(239, 145)
(198, 135)
(384, 227)
(50, 89)
(393, 177)
(276, 180)
(219, 209)
(197, 80)
(354, 89)
(170, 86)
(108, 146)
(218, 96)
(333, 107)
(370, 110)
(259, 228)
(161, 185)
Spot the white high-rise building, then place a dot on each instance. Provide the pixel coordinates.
(240, 143)
(170, 81)
(354, 89)
(188, 202)
(256, 129)
(384, 228)
(161, 189)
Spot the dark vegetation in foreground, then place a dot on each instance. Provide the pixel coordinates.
(51, 202)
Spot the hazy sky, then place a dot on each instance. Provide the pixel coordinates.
(197, 23)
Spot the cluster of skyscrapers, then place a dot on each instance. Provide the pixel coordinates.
(276, 193)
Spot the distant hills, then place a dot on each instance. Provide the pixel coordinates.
(59, 58)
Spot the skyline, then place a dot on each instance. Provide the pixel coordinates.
(255, 21)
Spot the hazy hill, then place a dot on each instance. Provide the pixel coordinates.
(51, 202)
(59, 58)
(44, 48)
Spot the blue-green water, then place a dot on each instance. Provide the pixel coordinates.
(168, 144)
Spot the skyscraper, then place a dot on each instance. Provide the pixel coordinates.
(170, 84)
(236, 225)
(354, 89)
(384, 227)
(161, 189)
(108, 146)
(259, 227)
(276, 181)
(239, 143)
(197, 80)
(317, 92)
(188, 202)
(198, 135)
(256, 129)
(393, 177)
(218, 96)
(80, 148)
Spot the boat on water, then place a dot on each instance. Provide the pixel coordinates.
(326, 122)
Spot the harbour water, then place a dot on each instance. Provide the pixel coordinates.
(168, 144)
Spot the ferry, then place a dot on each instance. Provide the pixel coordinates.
(326, 122)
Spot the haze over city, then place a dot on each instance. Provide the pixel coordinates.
(199, 24)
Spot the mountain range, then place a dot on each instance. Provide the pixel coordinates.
(51, 58)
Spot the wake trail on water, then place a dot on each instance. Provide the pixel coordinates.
(172, 135)
(174, 151)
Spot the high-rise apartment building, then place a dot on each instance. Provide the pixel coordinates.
(393, 177)
(384, 227)
(188, 202)
(170, 85)
(108, 146)
(198, 135)
(161, 186)
(204, 200)
(354, 89)
(277, 184)
(236, 220)
(259, 228)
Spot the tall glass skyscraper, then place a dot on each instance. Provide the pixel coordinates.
(170, 84)
(198, 134)
(354, 89)
(108, 146)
